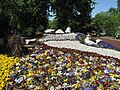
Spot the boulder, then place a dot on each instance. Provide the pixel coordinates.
(68, 30)
(59, 31)
(49, 30)
(30, 40)
(88, 41)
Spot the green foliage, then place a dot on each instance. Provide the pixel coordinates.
(52, 24)
(3, 25)
(117, 34)
(82, 39)
(40, 29)
(118, 4)
(29, 31)
(105, 22)
(25, 15)
(109, 21)
(73, 13)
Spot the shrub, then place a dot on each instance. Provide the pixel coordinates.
(81, 37)
(14, 45)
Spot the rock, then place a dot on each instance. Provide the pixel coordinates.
(49, 30)
(59, 31)
(30, 40)
(89, 42)
(68, 30)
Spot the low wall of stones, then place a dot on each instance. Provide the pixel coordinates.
(58, 37)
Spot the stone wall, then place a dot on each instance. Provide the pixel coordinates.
(58, 37)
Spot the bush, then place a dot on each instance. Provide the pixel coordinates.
(117, 34)
(81, 37)
(14, 45)
(29, 32)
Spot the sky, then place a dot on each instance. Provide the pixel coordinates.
(103, 6)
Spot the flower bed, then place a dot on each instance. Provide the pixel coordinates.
(50, 68)
(102, 44)
(5, 66)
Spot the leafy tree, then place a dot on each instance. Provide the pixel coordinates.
(29, 16)
(108, 21)
(105, 23)
(74, 13)
(25, 14)
(52, 24)
(118, 4)
(3, 25)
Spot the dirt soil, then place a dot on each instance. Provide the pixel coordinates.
(112, 41)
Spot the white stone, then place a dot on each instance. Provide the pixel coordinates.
(89, 42)
(59, 31)
(49, 30)
(98, 40)
(68, 30)
(30, 40)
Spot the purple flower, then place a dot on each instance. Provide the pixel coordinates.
(101, 81)
(71, 73)
(52, 63)
(89, 88)
(23, 67)
(13, 74)
(94, 87)
(79, 35)
(41, 76)
(107, 45)
(64, 61)
(68, 88)
(74, 58)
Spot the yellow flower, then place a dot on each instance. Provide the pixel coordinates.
(5, 65)
(101, 87)
(100, 72)
(68, 65)
(85, 81)
(2, 84)
(112, 75)
(49, 70)
(65, 80)
(10, 83)
(85, 70)
(7, 79)
(76, 85)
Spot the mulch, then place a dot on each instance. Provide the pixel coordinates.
(112, 41)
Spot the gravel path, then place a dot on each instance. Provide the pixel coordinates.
(77, 45)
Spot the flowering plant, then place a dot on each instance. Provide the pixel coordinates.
(102, 44)
(52, 68)
(5, 68)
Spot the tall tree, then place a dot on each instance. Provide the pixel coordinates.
(25, 16)
(74, 13)
(118, 4)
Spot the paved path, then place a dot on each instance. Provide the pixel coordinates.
(77, 45)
